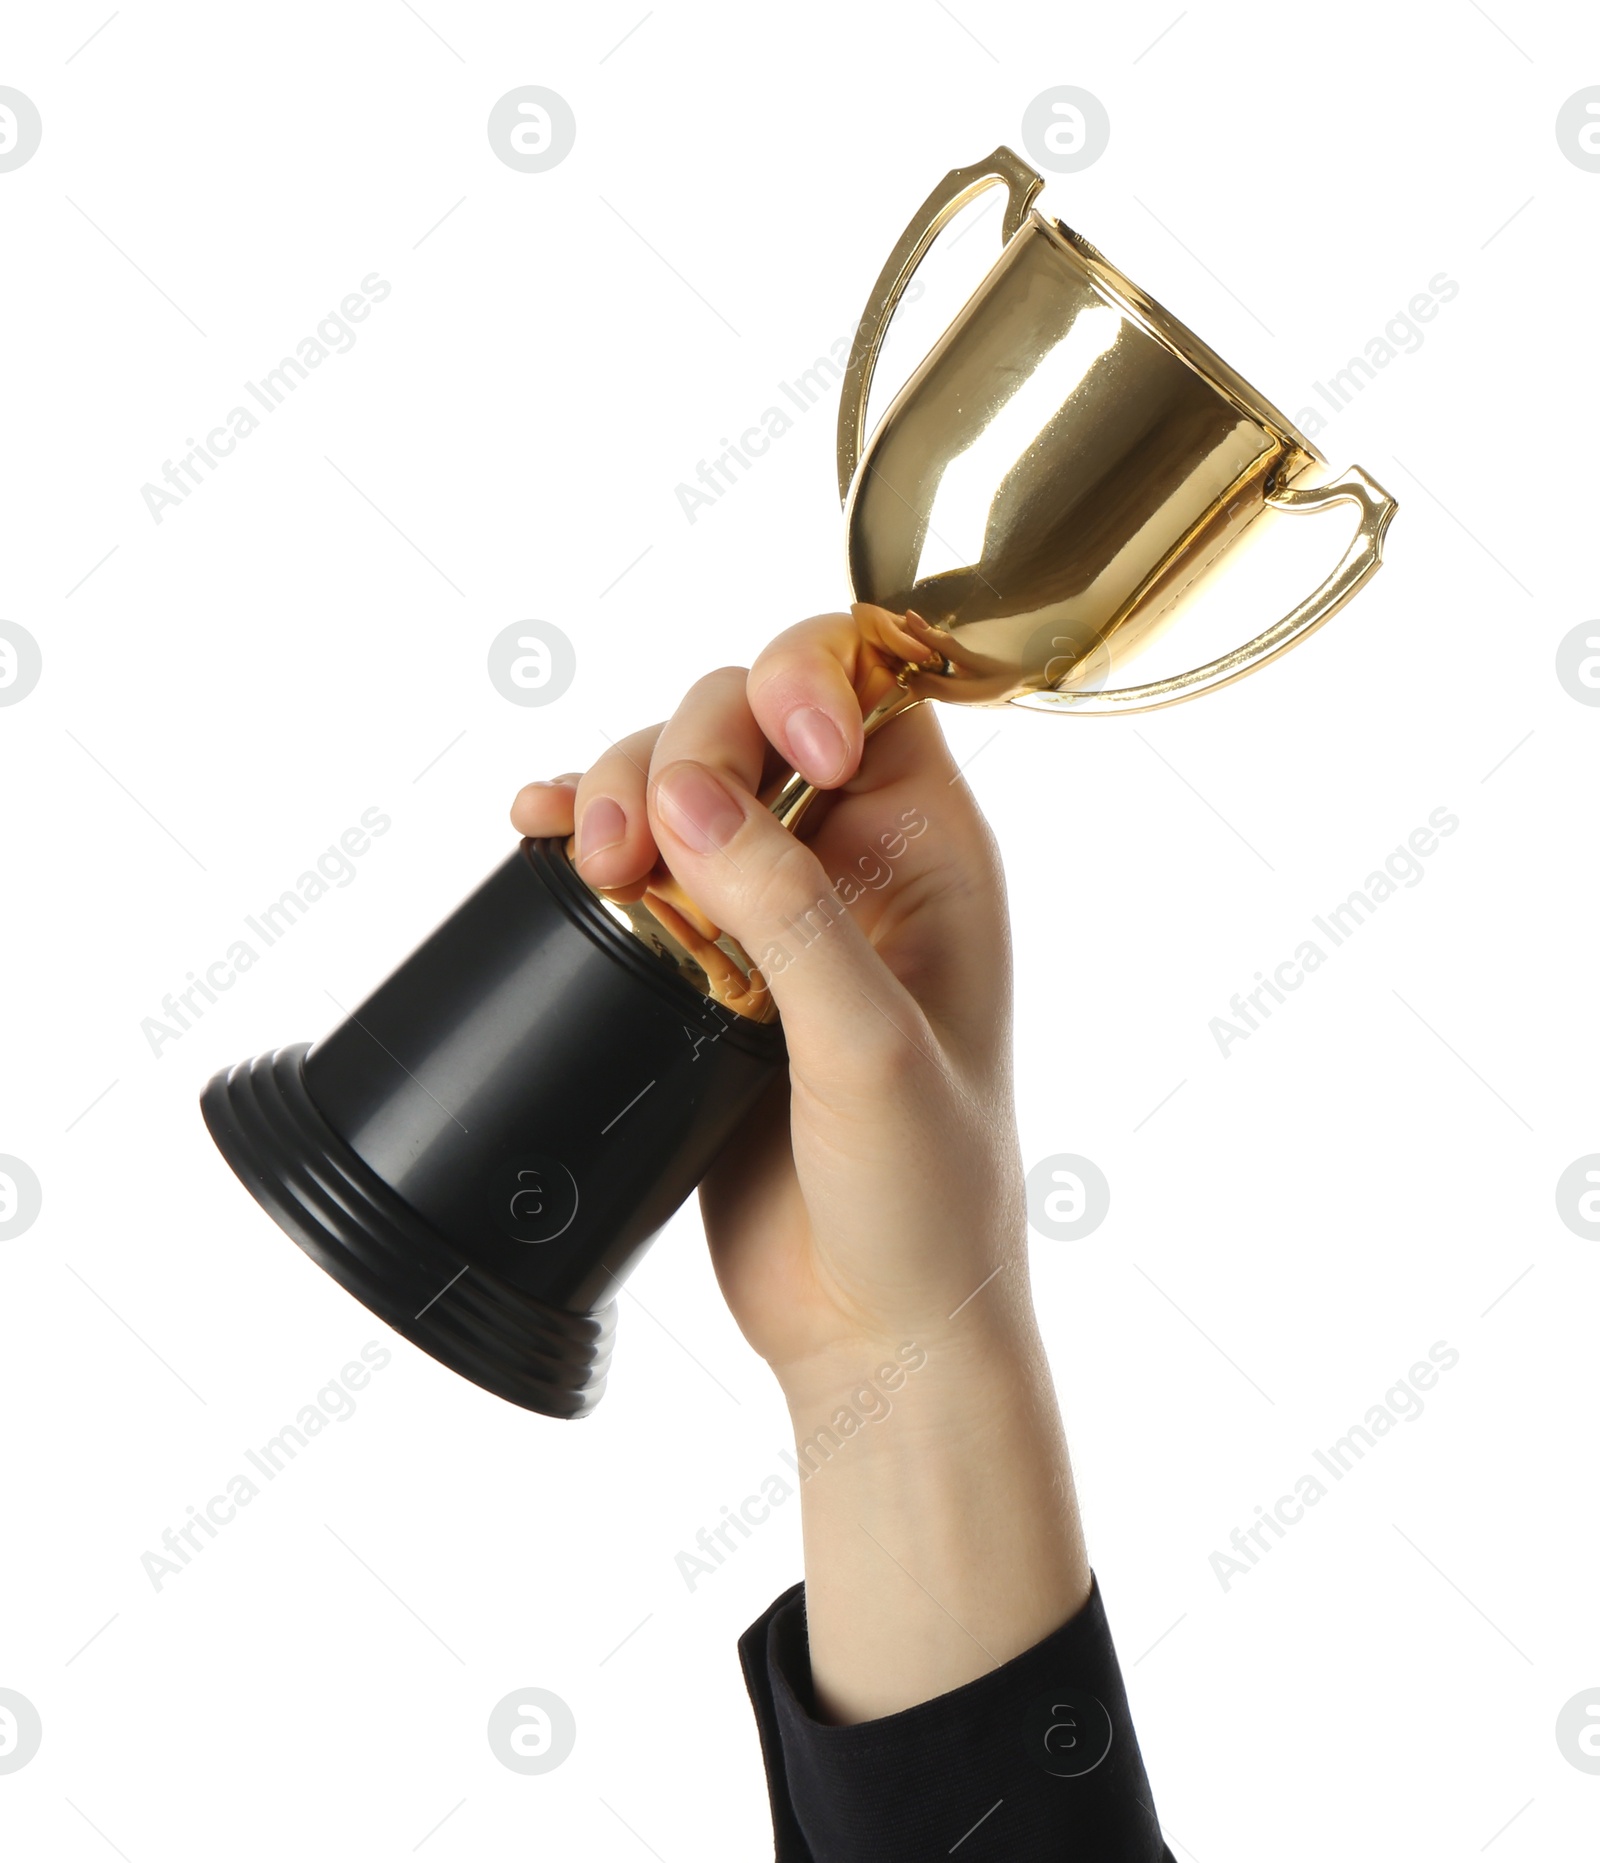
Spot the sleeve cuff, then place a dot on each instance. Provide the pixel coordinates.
(1036, 1760)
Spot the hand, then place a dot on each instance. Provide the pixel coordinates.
(865, 1205)
(874, 1199)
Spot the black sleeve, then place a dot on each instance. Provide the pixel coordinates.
(1035, 1762)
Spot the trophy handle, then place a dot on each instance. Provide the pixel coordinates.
(1360, 560)
(947, 199)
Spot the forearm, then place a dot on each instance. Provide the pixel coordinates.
(943, 1538)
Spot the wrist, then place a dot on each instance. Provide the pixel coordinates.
(938, 1398)
(991, 1339)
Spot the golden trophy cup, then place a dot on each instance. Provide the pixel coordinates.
(1060, 467)
(1064, 462)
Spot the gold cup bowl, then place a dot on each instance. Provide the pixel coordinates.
(1063, 463)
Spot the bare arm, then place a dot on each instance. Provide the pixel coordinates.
(941, 1539)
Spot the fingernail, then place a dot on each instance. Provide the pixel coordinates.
(603, 826)
(815, 742)
(697, 807)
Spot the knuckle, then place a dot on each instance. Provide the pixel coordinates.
(886, 1063)
(718, 684)
(619, 769)
(897, 1060)
(790, 883)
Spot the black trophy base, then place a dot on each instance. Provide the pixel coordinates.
(376, 1247)
(484, 1148)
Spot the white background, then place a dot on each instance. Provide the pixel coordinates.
(1294, 1227)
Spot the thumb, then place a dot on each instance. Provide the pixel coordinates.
(759, 882)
